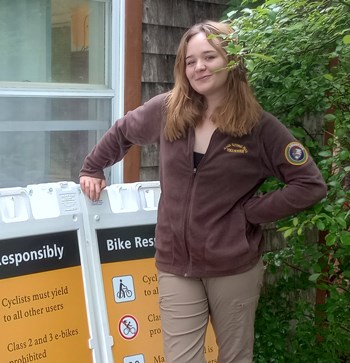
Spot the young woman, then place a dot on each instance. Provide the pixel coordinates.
(217, 146)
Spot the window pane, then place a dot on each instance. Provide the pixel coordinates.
(60, 41)
(45, 140)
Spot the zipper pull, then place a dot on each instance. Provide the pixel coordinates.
(194, 170)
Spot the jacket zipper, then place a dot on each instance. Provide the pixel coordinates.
(189, 205)
(187, 217)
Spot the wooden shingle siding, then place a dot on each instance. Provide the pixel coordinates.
(157, 68)
(160, 39)
(181, 13)
(151, 89)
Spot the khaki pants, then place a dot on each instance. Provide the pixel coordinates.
(230, 301)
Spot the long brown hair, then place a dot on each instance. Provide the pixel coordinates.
(239, 111)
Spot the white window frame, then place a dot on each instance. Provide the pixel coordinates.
(116, 71)
(114, 58)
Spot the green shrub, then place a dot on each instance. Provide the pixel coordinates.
(298, 56)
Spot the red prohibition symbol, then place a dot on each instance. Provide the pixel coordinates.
(128, 327)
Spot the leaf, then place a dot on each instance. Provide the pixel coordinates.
(250, 64)
(261, 56)
(341, 131)
(345, 238)
(317, 268)
(282, 229)
(231, 13)
(330, 317)
(271, 2)
(288, 232)
(233, 49)
(272, 15)
(346, 39)
(329, 117)
(320, 225)
(323, 287)
(247, 11)
(341, 222)
(325, 153)
(314, 277)
(340, 201)
(329, 208)
(328, 76)
(344, 155)
(334, 183)
(298, 132)
(330, 239)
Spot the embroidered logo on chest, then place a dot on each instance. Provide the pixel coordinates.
(236, 148)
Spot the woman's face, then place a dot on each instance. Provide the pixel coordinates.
(204, 67)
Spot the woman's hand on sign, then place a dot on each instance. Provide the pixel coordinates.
(92, 187)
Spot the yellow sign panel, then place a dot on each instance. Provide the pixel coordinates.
(42, 314)
(131, 291)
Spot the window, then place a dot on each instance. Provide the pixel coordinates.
(58, 77)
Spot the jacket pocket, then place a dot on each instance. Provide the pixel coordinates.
(228, 240)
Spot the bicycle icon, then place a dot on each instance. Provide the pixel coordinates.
(123, 288)
(128, 327)
(123, 291)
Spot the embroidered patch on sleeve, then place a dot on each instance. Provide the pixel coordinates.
(296, 154)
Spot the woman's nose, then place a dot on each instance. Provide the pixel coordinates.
(200, 65)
